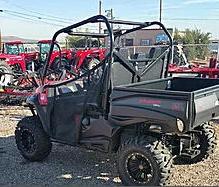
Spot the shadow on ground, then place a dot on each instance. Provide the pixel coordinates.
(65, 165)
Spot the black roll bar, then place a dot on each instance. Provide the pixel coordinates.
(101, 18)
(140, 26)
(94, 19)
(94, 35)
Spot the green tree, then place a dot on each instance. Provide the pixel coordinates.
(177, 37)
(193, 37)
(76, 41)
(80, 41)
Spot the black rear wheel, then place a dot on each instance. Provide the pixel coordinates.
(139, 167)
(144, 161)
(207, 141)
(32, 141)
(204, 143)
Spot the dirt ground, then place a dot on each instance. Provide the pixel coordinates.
(70, 165)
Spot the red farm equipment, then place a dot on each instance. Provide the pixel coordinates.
(183, 67)
(20, 71)
(65, 54)
(88, 57)
(85, 59)
(15, 54)
(14, 63)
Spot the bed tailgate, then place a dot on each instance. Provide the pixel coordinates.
(206, 103)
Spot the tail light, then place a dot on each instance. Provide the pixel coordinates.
(43, 99)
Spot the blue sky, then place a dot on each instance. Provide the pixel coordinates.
(76, 10)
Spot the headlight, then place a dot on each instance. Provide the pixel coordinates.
(180, 125)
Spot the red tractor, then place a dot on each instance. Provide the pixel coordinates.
(18, 48)
(85, 59)
(88, 57)
(58, 55)
(20, 71)
(14, 59)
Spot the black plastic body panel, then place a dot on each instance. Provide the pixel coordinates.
(192, 100)
(42, 111)
(61, 117)
(159, 102)
(65, 125)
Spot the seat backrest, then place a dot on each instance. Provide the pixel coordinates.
(120, 75)
(154, 70)
(124, 52)
(151, 52)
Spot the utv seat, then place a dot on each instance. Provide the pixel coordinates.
(124, 52)
(143, 59)
(120, 75)
(151, 52)
(122, 71)
(154, 68)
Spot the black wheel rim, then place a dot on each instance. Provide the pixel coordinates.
(139, 168)
(27, 141)
(196, 142)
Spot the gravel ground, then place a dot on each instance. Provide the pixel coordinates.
(70, 165)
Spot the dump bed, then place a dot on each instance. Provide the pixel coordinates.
(164, 101)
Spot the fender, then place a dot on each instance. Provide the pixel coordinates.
(43, 112)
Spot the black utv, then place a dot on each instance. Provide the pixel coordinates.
(146, 117)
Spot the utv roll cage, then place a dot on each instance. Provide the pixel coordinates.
(112, 35)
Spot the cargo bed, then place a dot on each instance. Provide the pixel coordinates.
(192, 100)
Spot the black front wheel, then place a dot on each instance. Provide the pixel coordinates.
(144, 161)
(31, 139)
